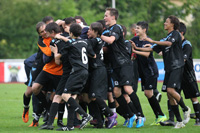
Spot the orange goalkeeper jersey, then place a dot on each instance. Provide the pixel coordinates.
(50, 67)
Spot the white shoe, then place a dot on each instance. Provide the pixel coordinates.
(186, 116)
(179, 125)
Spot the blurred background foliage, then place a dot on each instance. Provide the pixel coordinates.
(18, 37)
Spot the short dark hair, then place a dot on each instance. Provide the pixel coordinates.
(75, 29)
(38, 25)
(113, 12)
(70, 20)
(97, 27)
(174, 20)
(182, 28)
(47, 18)
(143, 24)
(102, 22)
(81, 18)
(53, 27)
(124, 30)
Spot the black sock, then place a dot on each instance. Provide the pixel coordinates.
(42, 98)
(83, 105)
(122, 102)
(91, 109)
(77, 107)
(104, 108)
(39, 111)
(70, 116)
(61, 109)
(97, 112)
(155, 92)
(182, 104)
(112, 106)
(176, 112)
(26, 101)
(155, 106)
(171, 113)
(121, 112)
(53, 111)
(132, 107)
(136, 102)
(196, 107)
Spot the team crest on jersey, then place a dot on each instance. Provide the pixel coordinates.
(173, 40)
(93, 94)
(116, 83)
(127, 82)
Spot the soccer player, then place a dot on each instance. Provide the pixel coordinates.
(98, 84)
(189, 82)
(121, 64)
(148, 71)
(51, 73)
(36, 68)
(173, 61)
(76, 50)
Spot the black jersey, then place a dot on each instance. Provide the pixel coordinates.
(120, 56)
(146, 65)
(172, 55)
(64, 58)
(187, 54)
(77, 50)
(97, 45)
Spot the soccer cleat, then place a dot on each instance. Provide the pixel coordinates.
(131, 120)
(25, 115)
(179, 125)
(186, 116)
(193, 116)
(60, 124)
(161, 118)
(85, 121)
(158, 97)
(34, 124)
(65, 128)
(47, 127)
(197, 122)
(125, 122)
(112, 120)
(155, 123)
(140, 122)
(167, 123)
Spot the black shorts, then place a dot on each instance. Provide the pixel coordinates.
(110, 80)
(173, 79)
(45, 78)
(149, 83)
(123, 76)
(76, 82)
(98, 83)
(61, 85)
(35, 70)
(189, 85)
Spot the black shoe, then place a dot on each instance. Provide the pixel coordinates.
(60, 124)
(193, 116)
(65, 128)
(85, 121)
(167, 123)
(197, 123)
(47, 127)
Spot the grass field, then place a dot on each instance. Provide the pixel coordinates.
(11, 107)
